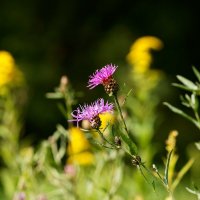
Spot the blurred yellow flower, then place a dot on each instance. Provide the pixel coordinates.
(8, 70)
(26, 154)
(139, 56)
(106, 118)
(83, 158)
(171, 145)
(78, 148)
(171, 140)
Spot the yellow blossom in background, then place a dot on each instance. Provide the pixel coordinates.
(171, 145)
(78, 148)
(140, 56)
(9, 73)
(171, 140)
(169, 198)
(83, 158)
(106, 119)
(27, 154)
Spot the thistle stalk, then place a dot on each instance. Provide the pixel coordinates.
(120, 112)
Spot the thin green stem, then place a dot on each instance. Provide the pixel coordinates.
(120, 112)
(104, 139)
(103, 145)
(150, 172)
(68, 104)
(197, 116)
(160, 177)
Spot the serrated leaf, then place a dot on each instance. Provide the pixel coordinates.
(167, 167)
(187, 82)
(197, 73)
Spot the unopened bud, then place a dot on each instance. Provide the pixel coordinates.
(63, 83)
(155, 168)
(136, 160)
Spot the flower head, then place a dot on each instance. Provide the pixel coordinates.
(101, 76)
(104, 77)
(140, 53)
(9, 73)
(91, 112)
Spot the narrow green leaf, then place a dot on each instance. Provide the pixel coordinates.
(181, 86)
(187, 82)
(196, 192)
(62, 130)
(197, 73)
(191, 191)
(154, 186)
(197, 145)
(180, 112)
(182, 172)
(173, 108)
(129, 92)
(130, 144)
(62, 109)
(54, 95)
(167, 167)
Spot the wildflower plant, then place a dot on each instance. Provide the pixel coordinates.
(189, 100)
(95, 154)
(119, 139)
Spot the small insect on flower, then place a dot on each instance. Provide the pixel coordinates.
(91, 112)
(104, 76)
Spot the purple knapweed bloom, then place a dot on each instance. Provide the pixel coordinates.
(91, 112)
(104, 77)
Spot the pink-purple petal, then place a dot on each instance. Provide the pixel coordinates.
(87, 112)
(101, 75)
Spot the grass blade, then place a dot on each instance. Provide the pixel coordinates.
(197, 73)
(167, 167)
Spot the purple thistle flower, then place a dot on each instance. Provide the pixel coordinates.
(101, 76)
(91, 112)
